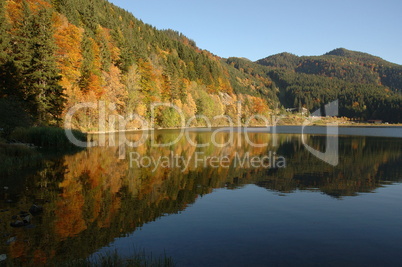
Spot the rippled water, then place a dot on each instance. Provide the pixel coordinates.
(306, 212)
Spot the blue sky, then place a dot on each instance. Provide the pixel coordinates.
(258, 28)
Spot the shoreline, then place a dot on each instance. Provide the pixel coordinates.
(343, 125)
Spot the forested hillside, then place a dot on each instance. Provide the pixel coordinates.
(367, 87)
(55, 54)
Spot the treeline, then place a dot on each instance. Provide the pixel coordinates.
(56, 54)
(356, 100)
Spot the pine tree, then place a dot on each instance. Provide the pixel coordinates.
(34, 50)
(13, 49)
(104, 49)
(89, 16)
(87, 63)
(44, 75)
(21, 56)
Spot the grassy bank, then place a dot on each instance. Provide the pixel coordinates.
(46, 137)
(24, 146)
(14, 157)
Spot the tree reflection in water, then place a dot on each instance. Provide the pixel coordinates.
(92, 197)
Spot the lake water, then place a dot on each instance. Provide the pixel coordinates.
(215, 205)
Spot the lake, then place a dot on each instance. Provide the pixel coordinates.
(239, 199)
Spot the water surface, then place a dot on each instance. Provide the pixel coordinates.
(305, 213)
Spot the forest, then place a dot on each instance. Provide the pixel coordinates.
(366, 86)
(55, 54)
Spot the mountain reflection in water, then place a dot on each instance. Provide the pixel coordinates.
(92, 197)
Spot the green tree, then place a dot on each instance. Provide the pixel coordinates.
(43, 74)
(34, 57)
(88, 62)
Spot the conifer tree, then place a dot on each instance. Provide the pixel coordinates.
(44, 75)
(87, 63)
(105, 51)
(34, 50)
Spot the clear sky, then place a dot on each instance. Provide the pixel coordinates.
(258, 28)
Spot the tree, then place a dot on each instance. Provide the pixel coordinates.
(68, 55)
(34, 50)
(106, 60)
(91, 66)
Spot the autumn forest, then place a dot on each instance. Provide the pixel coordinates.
(55, 54)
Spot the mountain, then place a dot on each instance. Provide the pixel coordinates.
(352, 66)
(367, 86)
(55, 54)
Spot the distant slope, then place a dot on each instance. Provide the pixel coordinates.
(351, 66)
(367, 86)
(355, 55)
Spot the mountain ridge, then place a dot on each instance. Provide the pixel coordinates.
(340, 52)
(353, 66)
